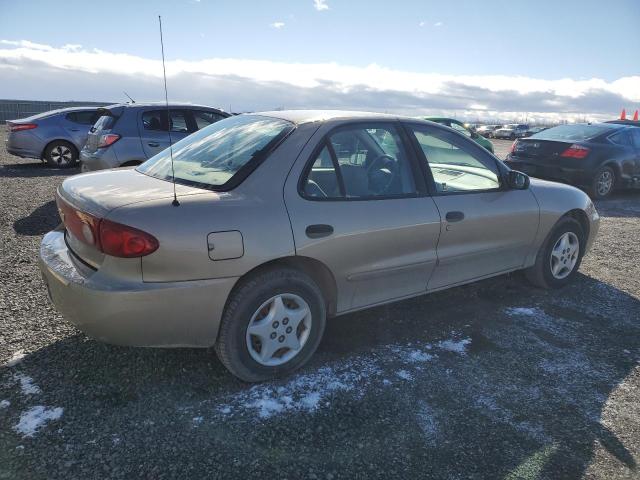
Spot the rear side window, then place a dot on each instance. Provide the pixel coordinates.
(83, 117)
(363, 162)
(105, 122)
(222, 154)
(156, 120)
(576, 132)
(204, 118)
(621, 138)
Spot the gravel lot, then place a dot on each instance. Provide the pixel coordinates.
(491, 380)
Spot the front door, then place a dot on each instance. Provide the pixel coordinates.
(357, 203)
(154, 129)
(486, 228)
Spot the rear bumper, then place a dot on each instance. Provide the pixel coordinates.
(24, 144)
(556, 172)
(171, 314)
(101, 159)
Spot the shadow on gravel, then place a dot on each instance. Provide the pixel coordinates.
(42, 220)
(35, 169)
(621, 204)
(523, 398)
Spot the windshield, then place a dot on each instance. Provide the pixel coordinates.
(572, 132)
(213, 156)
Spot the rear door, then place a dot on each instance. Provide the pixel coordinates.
(154, 127)
(204, 118)
(358, 203)
(635, 135)
(77, 125)
(486, 228)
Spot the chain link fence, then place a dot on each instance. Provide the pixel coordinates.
(14, 109)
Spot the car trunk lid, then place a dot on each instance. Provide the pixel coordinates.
(84, 200)
(533, 148)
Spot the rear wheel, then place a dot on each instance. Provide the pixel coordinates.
(61, 154)
(603, 183)
(272, 325)
(559, 256)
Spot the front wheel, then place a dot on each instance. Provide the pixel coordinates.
(603, 183)
(272, 325)
(559, 256)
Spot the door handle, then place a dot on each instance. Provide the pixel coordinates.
(153, 144)
(319, 231)
(454, 216)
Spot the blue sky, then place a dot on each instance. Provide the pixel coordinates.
(543, 38)
(554, 41)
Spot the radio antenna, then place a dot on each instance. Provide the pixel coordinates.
(129, 97)
(175, 202)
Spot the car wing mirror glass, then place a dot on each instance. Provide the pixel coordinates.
(518, 180)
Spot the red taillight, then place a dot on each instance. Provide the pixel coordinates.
(575, 151)
(108, 139)
(18, 127)
(109, 237)
(123, 241)
(513, 146)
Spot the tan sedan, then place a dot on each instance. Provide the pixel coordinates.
(281, 219)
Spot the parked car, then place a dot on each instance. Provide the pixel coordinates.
(281, 219)
(55, 137)
(464, 130)
(487, 130)
(598, 157)
(128, 134)
(511, 131)
(533, 131)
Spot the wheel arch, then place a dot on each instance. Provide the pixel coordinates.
(581, 217)
(63, 140)
(318, 271)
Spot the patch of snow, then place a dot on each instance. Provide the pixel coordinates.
(524, 311)
(457, 346)
(403, 374)
(4, 404)
(15, 359)
(35, 418)
(415, 356)
(426, 419)
(198, 420)
(26, 384)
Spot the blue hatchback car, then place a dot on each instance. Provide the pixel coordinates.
(55, 137)
(128, 134)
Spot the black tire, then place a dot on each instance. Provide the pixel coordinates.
(245, 300)
(540, 273)
(61, 154)
(599, 182)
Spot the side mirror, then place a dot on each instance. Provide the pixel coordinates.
(517, 180)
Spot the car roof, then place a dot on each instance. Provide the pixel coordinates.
(309, 116)
(160, 105)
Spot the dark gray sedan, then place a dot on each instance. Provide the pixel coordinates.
(281, 219)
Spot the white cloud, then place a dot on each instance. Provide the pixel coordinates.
(92, 74)
(421, 24)
(277, 25)
(438, 24)
(320, 5)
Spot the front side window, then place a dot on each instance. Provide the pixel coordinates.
(635, 134)
(363, 162)
(204, 118)
(214, 156)
(157, 120)
(455, 167)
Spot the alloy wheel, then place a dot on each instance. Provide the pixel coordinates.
(279, 329)
(604, 183)
(61, 154)
(564, 255)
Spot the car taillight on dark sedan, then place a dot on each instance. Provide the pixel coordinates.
(575, 151)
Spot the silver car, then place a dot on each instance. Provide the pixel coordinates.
(55, 137)
(281, 219)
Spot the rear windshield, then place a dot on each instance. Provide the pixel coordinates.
(217, 155)
(576, 132)
(105, 122)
